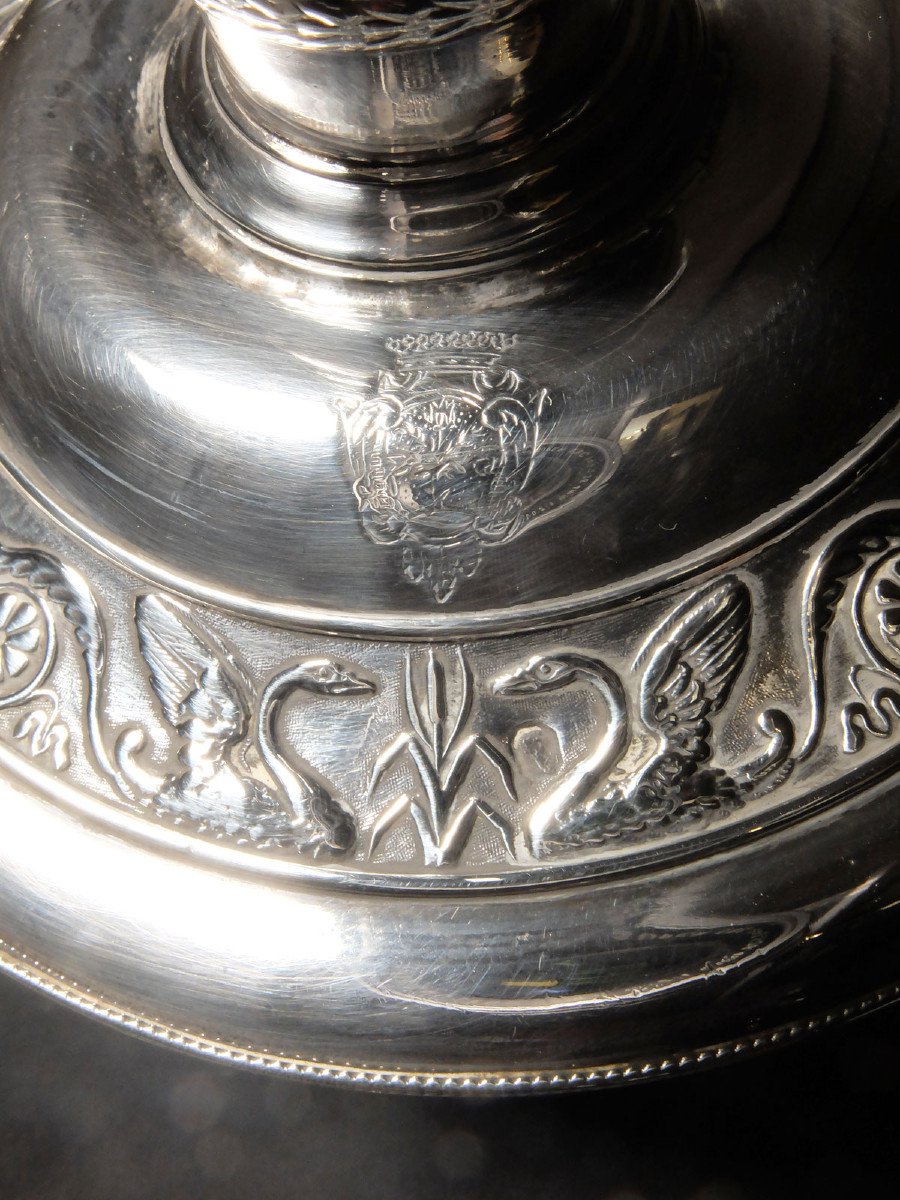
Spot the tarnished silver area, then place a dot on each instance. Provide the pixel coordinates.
(10, 11)
(450, 561)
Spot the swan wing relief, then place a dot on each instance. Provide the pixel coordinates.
(690, 665)
(688, 670)
(202, 692)
(199, 696)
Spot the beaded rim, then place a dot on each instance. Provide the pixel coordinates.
(37, 975)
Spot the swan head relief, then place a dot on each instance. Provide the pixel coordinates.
(550, 823)
(551, 673)
(324, 677)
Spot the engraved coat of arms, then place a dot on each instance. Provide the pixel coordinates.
(455, 452)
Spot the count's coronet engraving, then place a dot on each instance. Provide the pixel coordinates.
(455, 452)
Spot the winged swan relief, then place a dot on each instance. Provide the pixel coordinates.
(686, 673)
(202, 691)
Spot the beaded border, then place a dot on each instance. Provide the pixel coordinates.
(438, 1082)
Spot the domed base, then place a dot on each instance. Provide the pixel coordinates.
(320, 708)
(254, 434)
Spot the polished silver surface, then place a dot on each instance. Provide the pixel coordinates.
(370, 79)
(493, 140)
(450, 551)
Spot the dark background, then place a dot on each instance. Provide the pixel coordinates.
(88, 1112)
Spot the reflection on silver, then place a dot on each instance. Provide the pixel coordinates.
(428, 70)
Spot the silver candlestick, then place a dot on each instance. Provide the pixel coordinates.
(449, 528)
